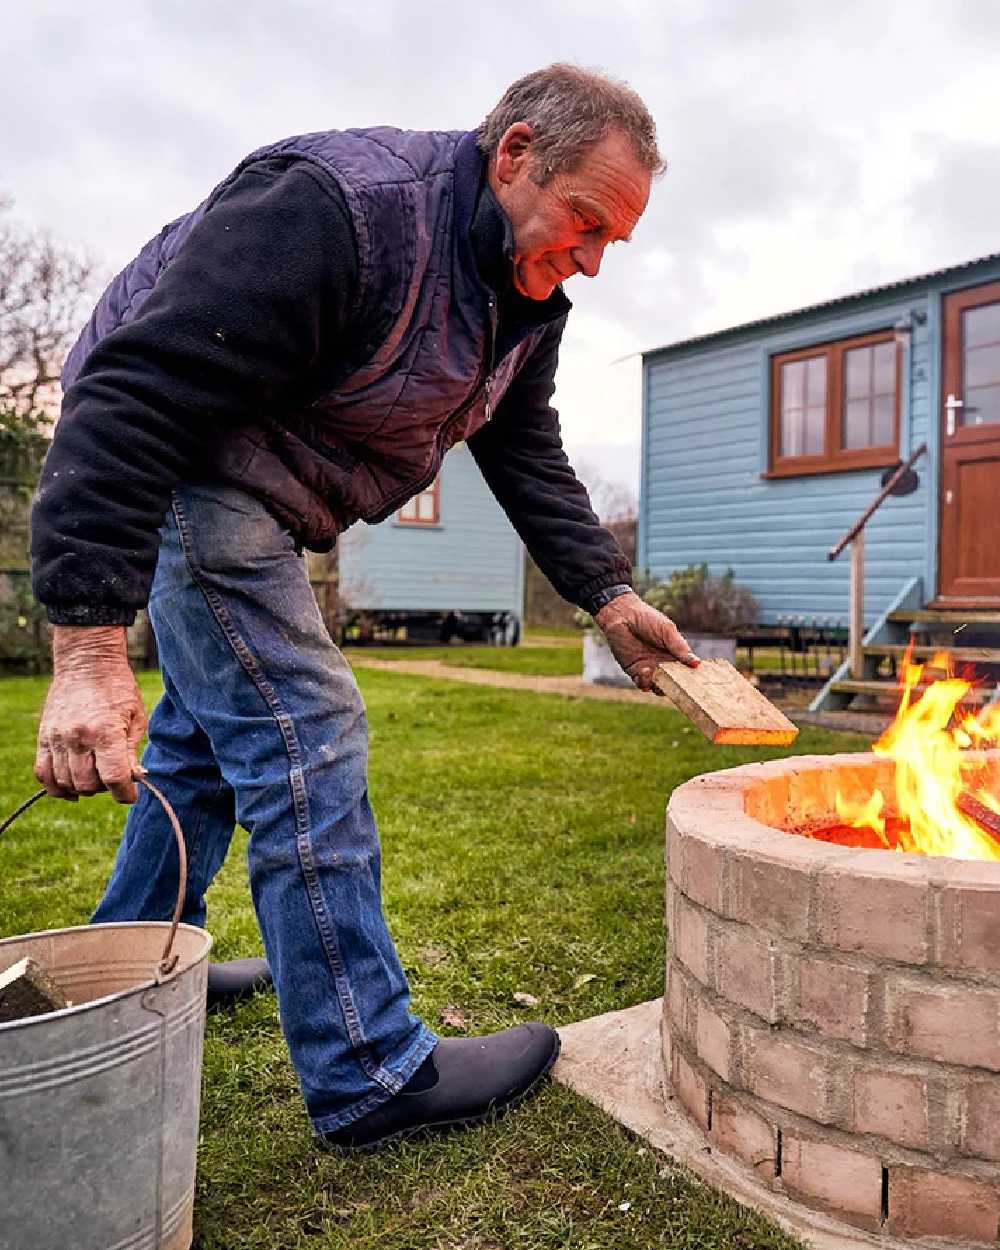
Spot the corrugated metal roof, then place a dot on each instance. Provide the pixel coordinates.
(899, 285)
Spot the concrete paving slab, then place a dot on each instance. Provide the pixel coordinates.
(614, 1061)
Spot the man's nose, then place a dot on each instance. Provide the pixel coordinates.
(588, 255)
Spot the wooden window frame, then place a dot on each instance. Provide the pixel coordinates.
(834, 459)
(434, 490)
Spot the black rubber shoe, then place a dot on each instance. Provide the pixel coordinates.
(477, 1078)
(232, 982)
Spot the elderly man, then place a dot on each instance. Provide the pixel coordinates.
(296, 354)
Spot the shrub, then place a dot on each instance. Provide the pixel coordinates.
(700, 602)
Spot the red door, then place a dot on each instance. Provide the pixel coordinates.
(969, 551)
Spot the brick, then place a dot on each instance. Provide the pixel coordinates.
(949, 1022)
(826, 1175)
(891, 1104)
(770, 895)
(691, 1088)
(937, 1204)
(748, 971)
(881, 911)
(703, 863)
(767, 801)
(832, 998)
(689, 938)
(713, 1040)
(739, 1130)
(968, 927)
(677, 1001)
(982, 1119)
(800, 1078)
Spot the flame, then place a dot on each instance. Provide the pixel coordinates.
(928, 741)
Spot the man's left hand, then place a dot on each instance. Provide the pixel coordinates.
(640, 638)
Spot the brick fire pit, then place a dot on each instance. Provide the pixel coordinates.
(832, 1016)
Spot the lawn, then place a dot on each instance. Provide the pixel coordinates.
(523, 839)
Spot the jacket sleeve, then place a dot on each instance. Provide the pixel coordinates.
(520, 454)
(235, 328)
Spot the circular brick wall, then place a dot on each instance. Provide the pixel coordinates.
(832, 1015)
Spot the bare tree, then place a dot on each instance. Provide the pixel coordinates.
(614, 502)
(44, 290)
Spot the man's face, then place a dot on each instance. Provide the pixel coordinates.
(563, 227)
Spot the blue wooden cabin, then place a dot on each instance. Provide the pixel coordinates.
(763, 444)
(447, 565)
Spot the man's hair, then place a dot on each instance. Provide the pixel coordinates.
(568, 110)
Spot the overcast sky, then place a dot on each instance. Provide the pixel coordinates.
(815, 148)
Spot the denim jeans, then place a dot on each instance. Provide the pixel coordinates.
(261, 722)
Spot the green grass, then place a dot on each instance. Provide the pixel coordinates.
(534, 661)
(523, 848)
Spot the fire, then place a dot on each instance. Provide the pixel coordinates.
(929, 742)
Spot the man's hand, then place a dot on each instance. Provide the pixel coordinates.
(93, 719)
(640, 638)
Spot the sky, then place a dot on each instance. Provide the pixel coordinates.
(814, 148)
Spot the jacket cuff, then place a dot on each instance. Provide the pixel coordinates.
(90, 614)
(598, 599)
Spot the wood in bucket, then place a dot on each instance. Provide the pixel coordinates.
(168, 960)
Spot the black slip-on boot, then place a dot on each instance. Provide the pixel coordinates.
(465, 1081)
(232, 982)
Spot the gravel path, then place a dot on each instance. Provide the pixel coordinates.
(569, 687)
(870, 725)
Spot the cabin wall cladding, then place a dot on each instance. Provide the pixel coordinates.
(705, 449)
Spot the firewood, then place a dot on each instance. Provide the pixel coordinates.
(723, 705)
(26, 989)
(976, 810)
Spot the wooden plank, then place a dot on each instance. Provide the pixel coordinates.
(723, 705)
(26, 989)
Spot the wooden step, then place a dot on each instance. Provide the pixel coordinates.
(945, 616)
(889, 690)
(964, 655)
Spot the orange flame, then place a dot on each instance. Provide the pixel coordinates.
(928, 741)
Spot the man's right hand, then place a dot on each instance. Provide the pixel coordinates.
(93, 719)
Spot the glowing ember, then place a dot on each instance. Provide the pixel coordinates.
(929, 742)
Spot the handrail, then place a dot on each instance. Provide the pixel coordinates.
(869, 512)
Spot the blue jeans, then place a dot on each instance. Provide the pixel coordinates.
(261, 722)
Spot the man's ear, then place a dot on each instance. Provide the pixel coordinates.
(514, 155)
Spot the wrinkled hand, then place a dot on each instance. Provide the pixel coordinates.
(640, 638)
(93, 719)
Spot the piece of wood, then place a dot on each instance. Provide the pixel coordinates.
(719, 701)
(976, 810)
(26, 989)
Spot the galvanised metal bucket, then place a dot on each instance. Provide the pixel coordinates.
(99, 1102)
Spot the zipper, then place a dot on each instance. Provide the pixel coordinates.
(483, 383)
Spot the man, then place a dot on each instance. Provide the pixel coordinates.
(294, 355)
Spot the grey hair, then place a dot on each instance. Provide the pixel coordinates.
(569, 109)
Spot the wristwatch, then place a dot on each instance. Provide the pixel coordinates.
(603, 597)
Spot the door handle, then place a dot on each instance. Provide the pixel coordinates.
(952, 404)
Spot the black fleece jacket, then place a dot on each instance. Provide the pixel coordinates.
(126, 434)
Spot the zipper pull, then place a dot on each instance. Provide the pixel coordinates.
(489, 396)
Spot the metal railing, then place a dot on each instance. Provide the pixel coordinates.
(856, 537)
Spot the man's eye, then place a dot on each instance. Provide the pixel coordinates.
(585, 224)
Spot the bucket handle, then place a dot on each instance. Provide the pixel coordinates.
(168, 960)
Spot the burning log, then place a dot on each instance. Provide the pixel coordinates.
(977, 811)
(26, 989)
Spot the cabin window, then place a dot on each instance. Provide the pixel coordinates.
(422, 509)
(835, 406)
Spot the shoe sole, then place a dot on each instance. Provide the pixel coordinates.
(495, 1111)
